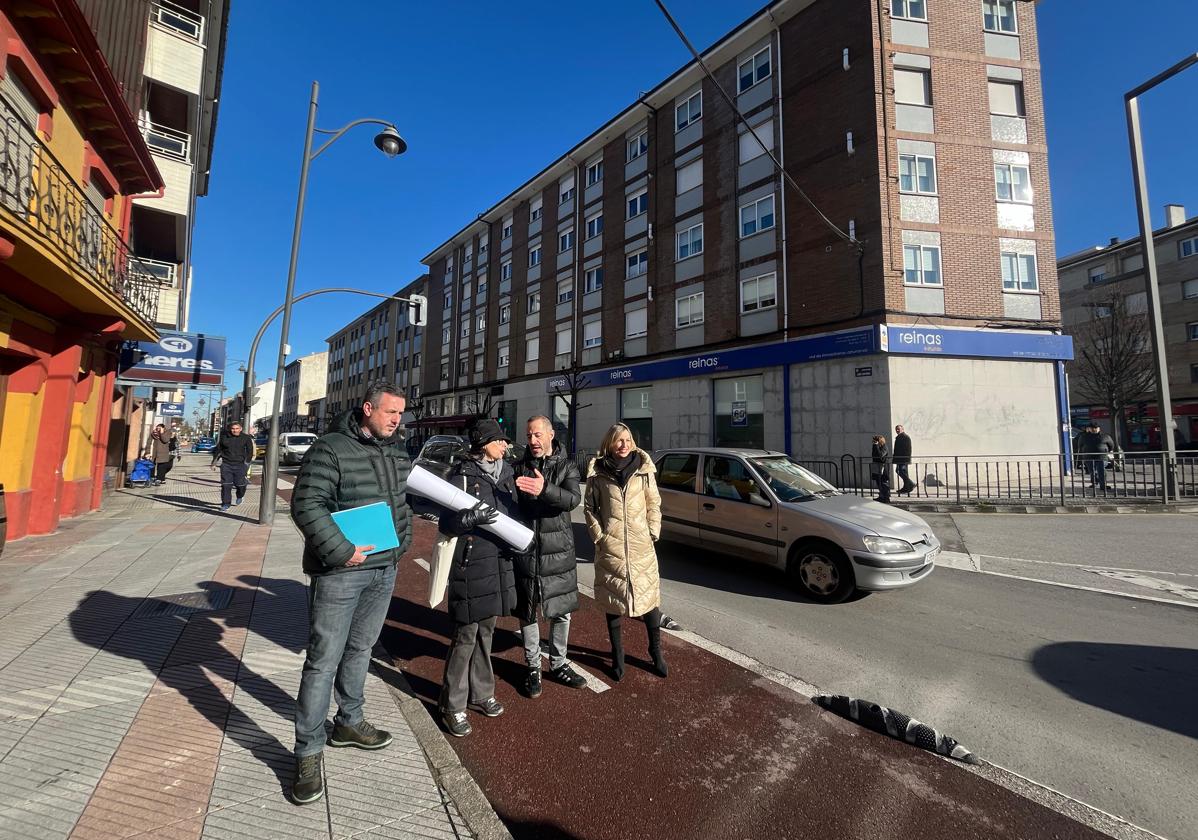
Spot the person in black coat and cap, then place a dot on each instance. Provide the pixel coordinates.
(482, 583)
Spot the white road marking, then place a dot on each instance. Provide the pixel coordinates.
(286, 484)
(1178, 589)
(1091, 589)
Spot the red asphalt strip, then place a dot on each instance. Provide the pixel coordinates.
(713, 750)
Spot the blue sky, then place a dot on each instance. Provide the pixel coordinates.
(487, 94)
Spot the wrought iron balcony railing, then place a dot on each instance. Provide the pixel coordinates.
(37, 190)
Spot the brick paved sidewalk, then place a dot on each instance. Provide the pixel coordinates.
(149, 654)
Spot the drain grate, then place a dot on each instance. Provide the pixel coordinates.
(184, 603)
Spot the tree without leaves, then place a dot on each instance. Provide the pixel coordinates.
(573, 382)
(477, 404)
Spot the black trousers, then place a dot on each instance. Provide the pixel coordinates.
(882, 479)
(232, 475)
(162, 468)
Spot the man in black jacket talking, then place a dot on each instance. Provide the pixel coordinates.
(235, 451)
(362, 460)
(547, 575)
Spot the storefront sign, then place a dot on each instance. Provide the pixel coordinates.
(176, 358)
(740, 414)
(985, 344)
(170, 409)
(868, 370)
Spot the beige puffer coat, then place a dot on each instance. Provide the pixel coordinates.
(624, 523)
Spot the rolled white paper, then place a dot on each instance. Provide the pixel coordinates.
(424, 483)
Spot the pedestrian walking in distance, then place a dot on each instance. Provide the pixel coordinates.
(623, 515)
(482, 583)
(902, 459)
(1096, 447)
(235, 451)
(360, 461)
(547, 483)
(159, 451)
(879, 468)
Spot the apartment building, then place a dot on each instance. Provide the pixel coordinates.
(304, 380)
(380, 344)
(1091, 278)
(709, 303)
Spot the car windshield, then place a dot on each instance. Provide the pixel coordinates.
(301, 440)
(789, 481)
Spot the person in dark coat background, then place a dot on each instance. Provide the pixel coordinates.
(482, 583)
(547, 575)
(902, 459)
(879, 468)
(159, 451)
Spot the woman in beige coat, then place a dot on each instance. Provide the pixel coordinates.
(623, 513)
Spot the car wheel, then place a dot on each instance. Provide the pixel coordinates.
(821, 571)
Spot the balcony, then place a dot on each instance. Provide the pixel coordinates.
(157, 272)
(54, 211)
(181, 21)
(165, 141)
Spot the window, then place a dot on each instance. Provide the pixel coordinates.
(463, 367)
(565, 291)
(595, 173)
(909, 9)
(507, 228)
(566, 188)
(753, 70)
(690, 176)
(1193, 374)
(480, 324)
(594, 279)
(688, 311)
(465, 293)
(912, 87)
(445, 335)
(594, 225)
(484, 245)
(534, 302)
(505, 313)
(757, 216)
(917, 174)
(535, 209)
(565, 241)
(448, 300)
(503, 356)
(1097, 274)
(592, 334)
(444, 370)
(1006, 98)
(482, 287)
(727, 478)
(1012, 183)
(415, 360)
(999, 16)
(688, 111)
(636, 323)
(921, 265)
(1189, 289)
(638, 203)
(1019, 272)
(1192, 331)
(1136, 304)
(478, 363)
(759, 293)
(750, 148)
(638, 145)
(1187, 247)
(534, 256)
(17, 94)
(532, 349)
(565, 340)
(677, 472)
(638, 264)
(1132, 262)
(690, 242)
(465, 333)
(505, 271)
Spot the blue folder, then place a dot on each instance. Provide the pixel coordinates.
(369, 525)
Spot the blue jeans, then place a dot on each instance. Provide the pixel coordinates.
(345, 615)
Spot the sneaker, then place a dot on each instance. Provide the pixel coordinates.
(567, 676)
(237, 501)
(532, 683)
(489, 707)
(457, 724)
(668, 623)
(224, 507)
(309, 784)
(363, 736)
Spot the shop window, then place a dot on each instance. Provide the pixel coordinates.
(636, 412)
(740, 412)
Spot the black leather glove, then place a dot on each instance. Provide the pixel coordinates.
(478, 515)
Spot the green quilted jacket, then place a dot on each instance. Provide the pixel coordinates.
(344, 470)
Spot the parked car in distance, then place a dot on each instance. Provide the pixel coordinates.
(439, 456)
(260, 442)
(764, 507)
(204, 444)
(294, 445)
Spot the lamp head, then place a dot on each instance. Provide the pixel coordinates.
(390, 143)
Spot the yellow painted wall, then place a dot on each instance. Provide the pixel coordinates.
(80, 444)
(18, 440)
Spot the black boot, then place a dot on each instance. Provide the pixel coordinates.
(617, 646)
(653, 626)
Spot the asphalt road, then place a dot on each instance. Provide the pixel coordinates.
(1091, 694)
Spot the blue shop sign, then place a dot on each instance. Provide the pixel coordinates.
(984, 344)
(170, 409)
(175, 359)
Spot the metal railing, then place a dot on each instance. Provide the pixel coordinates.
(179, 20)
(1125, 477)
(38, 191)
(155, 271)
(166, 141)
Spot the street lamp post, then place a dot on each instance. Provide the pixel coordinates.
(1164, 399)
(389, 143)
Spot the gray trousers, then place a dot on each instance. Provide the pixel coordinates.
(468, 673)
(559, 636)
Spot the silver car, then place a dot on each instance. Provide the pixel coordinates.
(764, 507)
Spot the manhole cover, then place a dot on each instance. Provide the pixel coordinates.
(182, 604)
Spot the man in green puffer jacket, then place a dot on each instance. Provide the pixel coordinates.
(360, 461)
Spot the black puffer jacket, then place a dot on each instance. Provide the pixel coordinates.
(345, 469)
(482, 583)
(548, 573)
(902, 448)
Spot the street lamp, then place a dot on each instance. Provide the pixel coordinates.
(389, 143)
(1164, 399)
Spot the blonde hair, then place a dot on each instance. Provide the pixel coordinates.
(613, 433)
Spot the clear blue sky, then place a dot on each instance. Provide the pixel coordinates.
(487, 94)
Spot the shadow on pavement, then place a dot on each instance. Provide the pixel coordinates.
(538, 831)
(1154, 685)
(725, 573)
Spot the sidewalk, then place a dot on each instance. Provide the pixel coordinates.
(149, 654)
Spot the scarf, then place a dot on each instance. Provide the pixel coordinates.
(624, 468)
(491, 469)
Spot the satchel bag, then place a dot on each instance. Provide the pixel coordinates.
(439, 564)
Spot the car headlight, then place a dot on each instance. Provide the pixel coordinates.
(886, 545)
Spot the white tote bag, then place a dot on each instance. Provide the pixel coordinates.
(439, 563)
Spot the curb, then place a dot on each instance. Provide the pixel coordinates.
(447, 769)
(917, 507)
